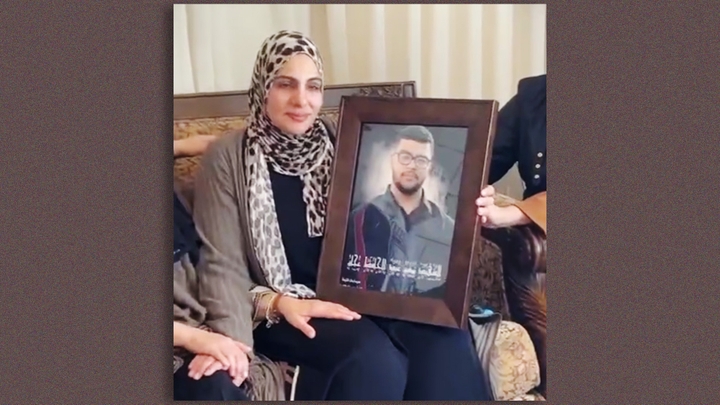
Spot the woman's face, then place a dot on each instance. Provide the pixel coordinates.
(295, 96)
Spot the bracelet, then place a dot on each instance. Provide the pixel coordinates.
(258, 299)
(271, 314)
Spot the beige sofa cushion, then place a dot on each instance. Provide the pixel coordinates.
(514, 369)
(533, 396)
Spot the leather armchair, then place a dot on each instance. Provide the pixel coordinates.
(524, 250)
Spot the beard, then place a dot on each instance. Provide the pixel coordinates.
(409, 189)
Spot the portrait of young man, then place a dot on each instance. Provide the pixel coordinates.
(399, 240)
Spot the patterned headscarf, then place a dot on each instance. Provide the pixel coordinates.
(308, 155)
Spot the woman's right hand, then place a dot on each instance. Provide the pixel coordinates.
(298, 312)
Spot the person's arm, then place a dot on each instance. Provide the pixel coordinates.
(183, 334)
(213, 352)
(530, 210)
(178, 148)
(200, 341)
(223, 273)
(533, 209)
(505, 144)
(192, 146)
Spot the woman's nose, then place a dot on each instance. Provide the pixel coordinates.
(299, 98)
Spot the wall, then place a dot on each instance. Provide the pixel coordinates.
(452, 51)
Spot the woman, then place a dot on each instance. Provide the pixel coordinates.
(261, 201)
(208, 366)
(521, 138)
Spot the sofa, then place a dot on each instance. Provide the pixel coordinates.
(513, 365)
(524, 272)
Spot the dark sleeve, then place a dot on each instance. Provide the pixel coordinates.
(349, 246)
(223, 273)
(376, 232)
(505, 145)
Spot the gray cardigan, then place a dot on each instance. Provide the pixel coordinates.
(229, 272)
(228, 268)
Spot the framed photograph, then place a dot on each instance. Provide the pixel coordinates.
(401, 223)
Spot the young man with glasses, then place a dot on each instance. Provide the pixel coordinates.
(400, 241)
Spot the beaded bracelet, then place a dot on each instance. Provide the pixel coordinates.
(258, 298)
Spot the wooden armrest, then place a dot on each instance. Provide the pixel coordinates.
(524, 269)
(523, 247)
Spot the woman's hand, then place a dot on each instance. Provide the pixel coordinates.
(204, 365)
(192, 146)
(298, 312)
(230, 355)
(493, 216)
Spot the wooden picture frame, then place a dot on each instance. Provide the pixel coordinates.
(367, 229)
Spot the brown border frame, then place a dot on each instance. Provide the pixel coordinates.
(479, 116)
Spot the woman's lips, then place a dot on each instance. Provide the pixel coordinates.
(298, 117)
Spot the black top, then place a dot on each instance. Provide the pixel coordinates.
(185, 236)
(521, 136)
(302, 251)
(417, 216)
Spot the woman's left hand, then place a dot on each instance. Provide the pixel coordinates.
(226, 353)
(204, 365)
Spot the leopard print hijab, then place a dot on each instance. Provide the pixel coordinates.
(308, 156)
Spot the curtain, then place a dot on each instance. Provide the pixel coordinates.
(474, 51)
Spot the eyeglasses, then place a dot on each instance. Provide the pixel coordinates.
(405, 159)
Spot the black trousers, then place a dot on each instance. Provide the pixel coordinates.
(374, 359)
(216, 387)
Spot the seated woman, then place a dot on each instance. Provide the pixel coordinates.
(260, 207)
(208, 366)
(521, 138)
